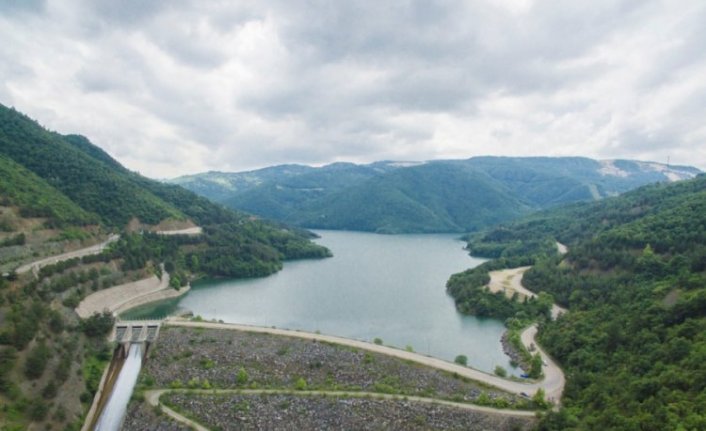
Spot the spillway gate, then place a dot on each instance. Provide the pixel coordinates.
(126, 332)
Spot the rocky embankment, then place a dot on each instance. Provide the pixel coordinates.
(512, 352)
(291, 383)
(184, 355)
(141, 417)
(287, 412)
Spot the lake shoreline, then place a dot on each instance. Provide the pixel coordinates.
(376, 286)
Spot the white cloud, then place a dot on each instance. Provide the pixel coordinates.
(186, 86)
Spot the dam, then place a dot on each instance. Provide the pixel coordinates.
(132, 341)
(134, 331)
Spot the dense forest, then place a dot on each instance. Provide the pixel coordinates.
(36, 198)
(633, 344)
(59, 193)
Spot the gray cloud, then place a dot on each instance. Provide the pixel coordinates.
(22, 6)
(184, 86)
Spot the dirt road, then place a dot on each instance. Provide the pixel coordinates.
(152, 398)
(188, 231)
(510, 282)
(94, 249)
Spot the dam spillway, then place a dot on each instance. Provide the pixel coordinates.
(112, 416)
(137, 331)
(132, 341)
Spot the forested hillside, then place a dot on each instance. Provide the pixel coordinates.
(425, 198)
(22, 188)
(109, 193)
(61, 193)
(634, 342)
(437, 196)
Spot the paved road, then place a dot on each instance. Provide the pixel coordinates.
(510, 281)
(511, 386)
(152, 398)
(94, 249)
(554, 380)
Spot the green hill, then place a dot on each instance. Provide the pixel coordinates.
(22, 188)
(633, 344)
(96, 185)
(62, 193)
(438, 196)
(417, 199)
(106, 191)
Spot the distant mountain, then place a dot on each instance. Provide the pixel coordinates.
(436, 196)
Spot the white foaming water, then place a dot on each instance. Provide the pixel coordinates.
(112, 417)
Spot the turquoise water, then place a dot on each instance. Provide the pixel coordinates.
(386, 286)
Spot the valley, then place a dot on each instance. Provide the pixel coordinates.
(451, 215)
(591, 288)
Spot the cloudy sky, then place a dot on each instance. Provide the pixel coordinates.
(183, 86)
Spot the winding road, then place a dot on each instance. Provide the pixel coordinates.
(95, 249)
(88, 251)
(510, 282)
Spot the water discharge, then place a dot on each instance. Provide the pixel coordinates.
(113, 412)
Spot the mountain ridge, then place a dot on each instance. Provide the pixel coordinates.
(339, 195)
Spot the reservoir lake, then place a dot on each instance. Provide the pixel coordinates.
(376, 286)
